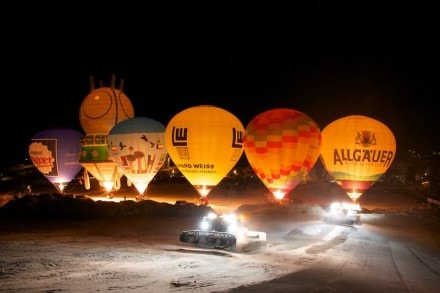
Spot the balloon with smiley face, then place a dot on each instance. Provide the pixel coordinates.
(102, 109)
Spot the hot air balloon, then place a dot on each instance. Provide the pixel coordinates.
(137, 146)
(204, 142)
(282, 145)
(55, 153)
(100, 111)
(104, 107)
(356, 151)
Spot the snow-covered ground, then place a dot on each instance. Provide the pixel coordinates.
(393, 250)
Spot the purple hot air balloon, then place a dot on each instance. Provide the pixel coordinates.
(55, 153)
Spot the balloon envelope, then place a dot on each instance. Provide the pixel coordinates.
(356, 151)
(55, 153)
(103, 108)
(205, 142)
(137, 146)
(282, 145)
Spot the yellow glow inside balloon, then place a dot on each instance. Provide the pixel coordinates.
(108, 185)
(204, 142)
(356, 151)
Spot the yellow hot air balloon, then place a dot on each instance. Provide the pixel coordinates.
(204, 142)
(100, 111)
(282, 146)
(356, 151)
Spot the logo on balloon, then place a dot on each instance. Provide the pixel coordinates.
(366, 138)
(42, 156)
(179, 137)
(237, 138)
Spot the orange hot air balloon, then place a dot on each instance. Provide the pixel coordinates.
(356, 151)
(137, 146)
(100, 111)
(204, 142)
(103, 108)
(282, 146)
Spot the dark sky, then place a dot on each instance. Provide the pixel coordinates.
(326, 59)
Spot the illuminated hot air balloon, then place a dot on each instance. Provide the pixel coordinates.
(104, 107)
(205, 142)
(282, 146)
(55, 153)
(137, 146)
(356, 151)
(100, 111)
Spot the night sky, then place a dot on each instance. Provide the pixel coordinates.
(327, 60)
